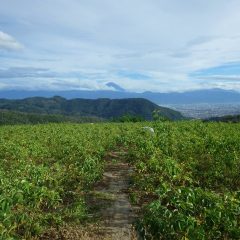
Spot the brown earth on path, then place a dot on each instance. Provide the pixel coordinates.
(110, 197)
(109, 205)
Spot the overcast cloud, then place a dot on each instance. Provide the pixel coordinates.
(142, 45)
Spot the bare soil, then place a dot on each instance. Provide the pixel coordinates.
(109, 204)
(111, 201)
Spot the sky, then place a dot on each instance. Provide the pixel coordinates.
(141, 45)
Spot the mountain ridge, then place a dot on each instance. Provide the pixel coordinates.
(115, 86)
(196, 96)
(101, 108)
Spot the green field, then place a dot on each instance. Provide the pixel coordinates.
(186, 179)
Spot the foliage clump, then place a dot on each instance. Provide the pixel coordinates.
(187, 180)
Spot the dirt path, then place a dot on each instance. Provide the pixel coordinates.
(111, 212)
(111, 201)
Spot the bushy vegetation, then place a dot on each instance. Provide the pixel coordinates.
(186, 180)
(44, 172)
(129, 118)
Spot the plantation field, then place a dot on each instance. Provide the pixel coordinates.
(186, 178)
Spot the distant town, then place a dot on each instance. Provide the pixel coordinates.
(206, 110)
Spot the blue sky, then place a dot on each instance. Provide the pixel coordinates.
(142, 45)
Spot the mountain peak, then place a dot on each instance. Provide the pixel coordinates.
(115, 86)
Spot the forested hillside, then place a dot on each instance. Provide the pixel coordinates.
(228, 118)
(12, 117)
(102, 108)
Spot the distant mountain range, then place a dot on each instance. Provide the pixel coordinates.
(197, 96)
(115, 86)
(100, 108)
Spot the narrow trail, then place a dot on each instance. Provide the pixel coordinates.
(111, 201)
(111, 214)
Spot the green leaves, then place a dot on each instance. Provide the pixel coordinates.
(193, 168)
(186, 177)
(44, 171)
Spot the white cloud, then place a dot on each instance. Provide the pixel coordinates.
(7, 42)
(166, 40)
